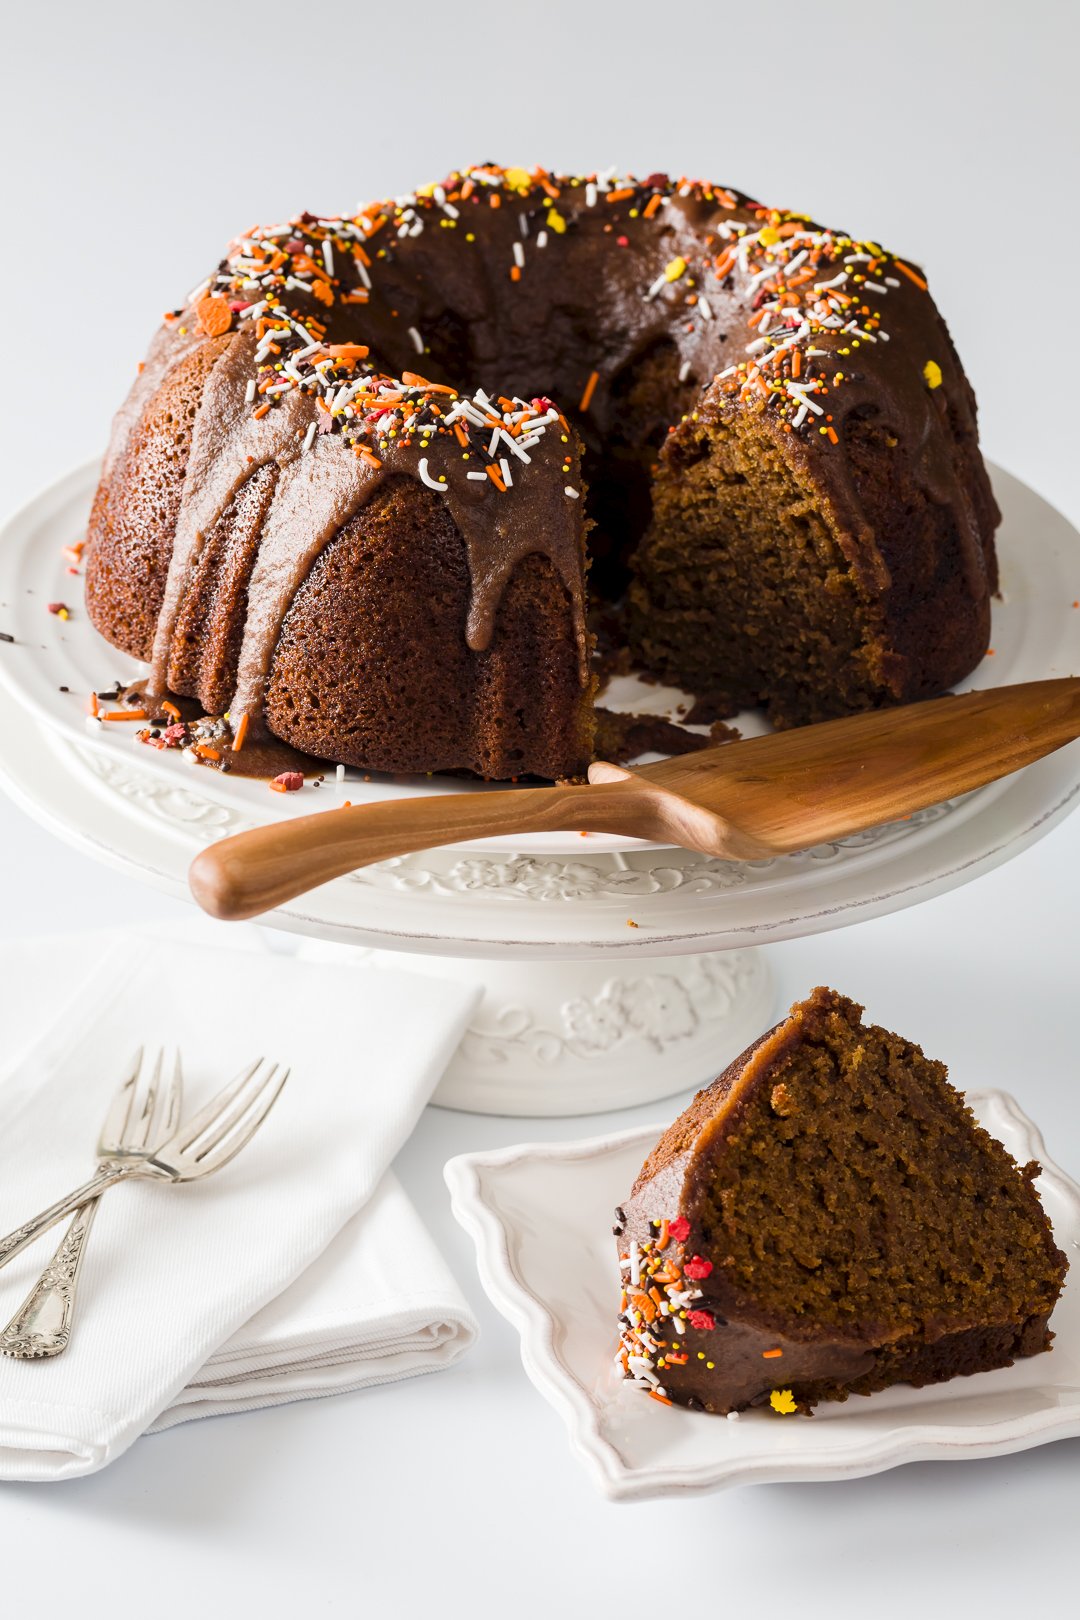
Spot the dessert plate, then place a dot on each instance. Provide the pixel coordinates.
(55, 663)
(540, 1216)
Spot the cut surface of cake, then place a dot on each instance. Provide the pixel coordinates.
(373, 468)
(827, 1218)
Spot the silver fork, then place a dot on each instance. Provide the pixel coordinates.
(204, 1144)
(144, 1111)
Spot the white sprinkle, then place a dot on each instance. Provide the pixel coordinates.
(504, 468)
(249, 391)
(523, 224)
(309, 438)
(541, 239)
(684, 371)
(451, 211)
(705, 307)
(837, 281)
(480, 478)
(590, 195)
(426, 478)
(519, 255)
(656, 287)
(418, 342)
(874, 286)
(857, 258)
(339, 773)
(891, 281)
(328, 258)
(733, 1417)
(800, 415)
(575, 496)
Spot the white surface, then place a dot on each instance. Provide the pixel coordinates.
(937, 128)
(233, 1292)
(540, 1216)
(102, 789)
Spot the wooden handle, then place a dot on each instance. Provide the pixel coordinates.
(263, 868)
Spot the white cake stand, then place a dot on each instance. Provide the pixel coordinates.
(613, 972)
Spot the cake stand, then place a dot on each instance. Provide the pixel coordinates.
(613, 972)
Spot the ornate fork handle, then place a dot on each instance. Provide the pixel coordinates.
(42, 1324)
(106, 1175)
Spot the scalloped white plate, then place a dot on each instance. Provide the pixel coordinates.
(1036, 634)
(540, 1216)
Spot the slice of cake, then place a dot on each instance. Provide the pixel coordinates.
(825, 1219)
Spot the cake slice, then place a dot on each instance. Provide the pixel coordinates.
(827, 1219)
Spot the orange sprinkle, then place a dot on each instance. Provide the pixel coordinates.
(991, 652)
(93, 705)
(515, 272)
(769, 1354)
(911, 274)
(496, 477)
(495, 200)
(619, 196)
(652, 205)
(796, 363)
(462, 436)
(662, 1236)
(126, 714)
(347, 351)
(369, 456)
(241, 733)
(170, 708)
(590, 389)
(830, 434)
(653, 1396)
(262, 410)
(204, 751)
(630, 923)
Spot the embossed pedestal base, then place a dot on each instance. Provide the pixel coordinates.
(585, 1037)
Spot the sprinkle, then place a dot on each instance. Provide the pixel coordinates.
(417, 340)
(932, 372)
(912, 275)
(574, 496)
(288, 782)
(126, 714)
(425, 477)
(782, 1400)
(770, 1354)
(240, 734)
(339, 773)
(519, 255)
(590, 387)
(309, 438)
(674, 269)
(630, 923)
(61, 610)
(555, 221)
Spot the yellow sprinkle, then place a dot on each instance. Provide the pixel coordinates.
(555, 221)
(769, 235)
(782, 1400)
(519, 179)
(675, 269)
(932, 372)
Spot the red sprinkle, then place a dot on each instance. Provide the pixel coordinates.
(288, 782)
(679, 1229)
(58, 607)
(705, 1320)
(697, 1268)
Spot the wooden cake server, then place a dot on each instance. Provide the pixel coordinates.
(740, 801)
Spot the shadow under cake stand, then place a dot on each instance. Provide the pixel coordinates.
(614, 972)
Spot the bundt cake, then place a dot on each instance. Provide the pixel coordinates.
(828, 1219)
(311, 517)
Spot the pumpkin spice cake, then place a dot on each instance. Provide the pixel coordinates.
(828, 1219)
(373, 467)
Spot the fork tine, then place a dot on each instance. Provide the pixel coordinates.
(115, 1127)
(174, 1097)
(244, 1129)
(141, 1126)
(207, 1116)
(233, 1113)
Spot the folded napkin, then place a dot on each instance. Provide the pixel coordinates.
(300, 1268)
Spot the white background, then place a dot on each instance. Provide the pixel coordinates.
(136, 139)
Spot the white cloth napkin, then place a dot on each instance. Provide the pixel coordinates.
(299, 1269)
